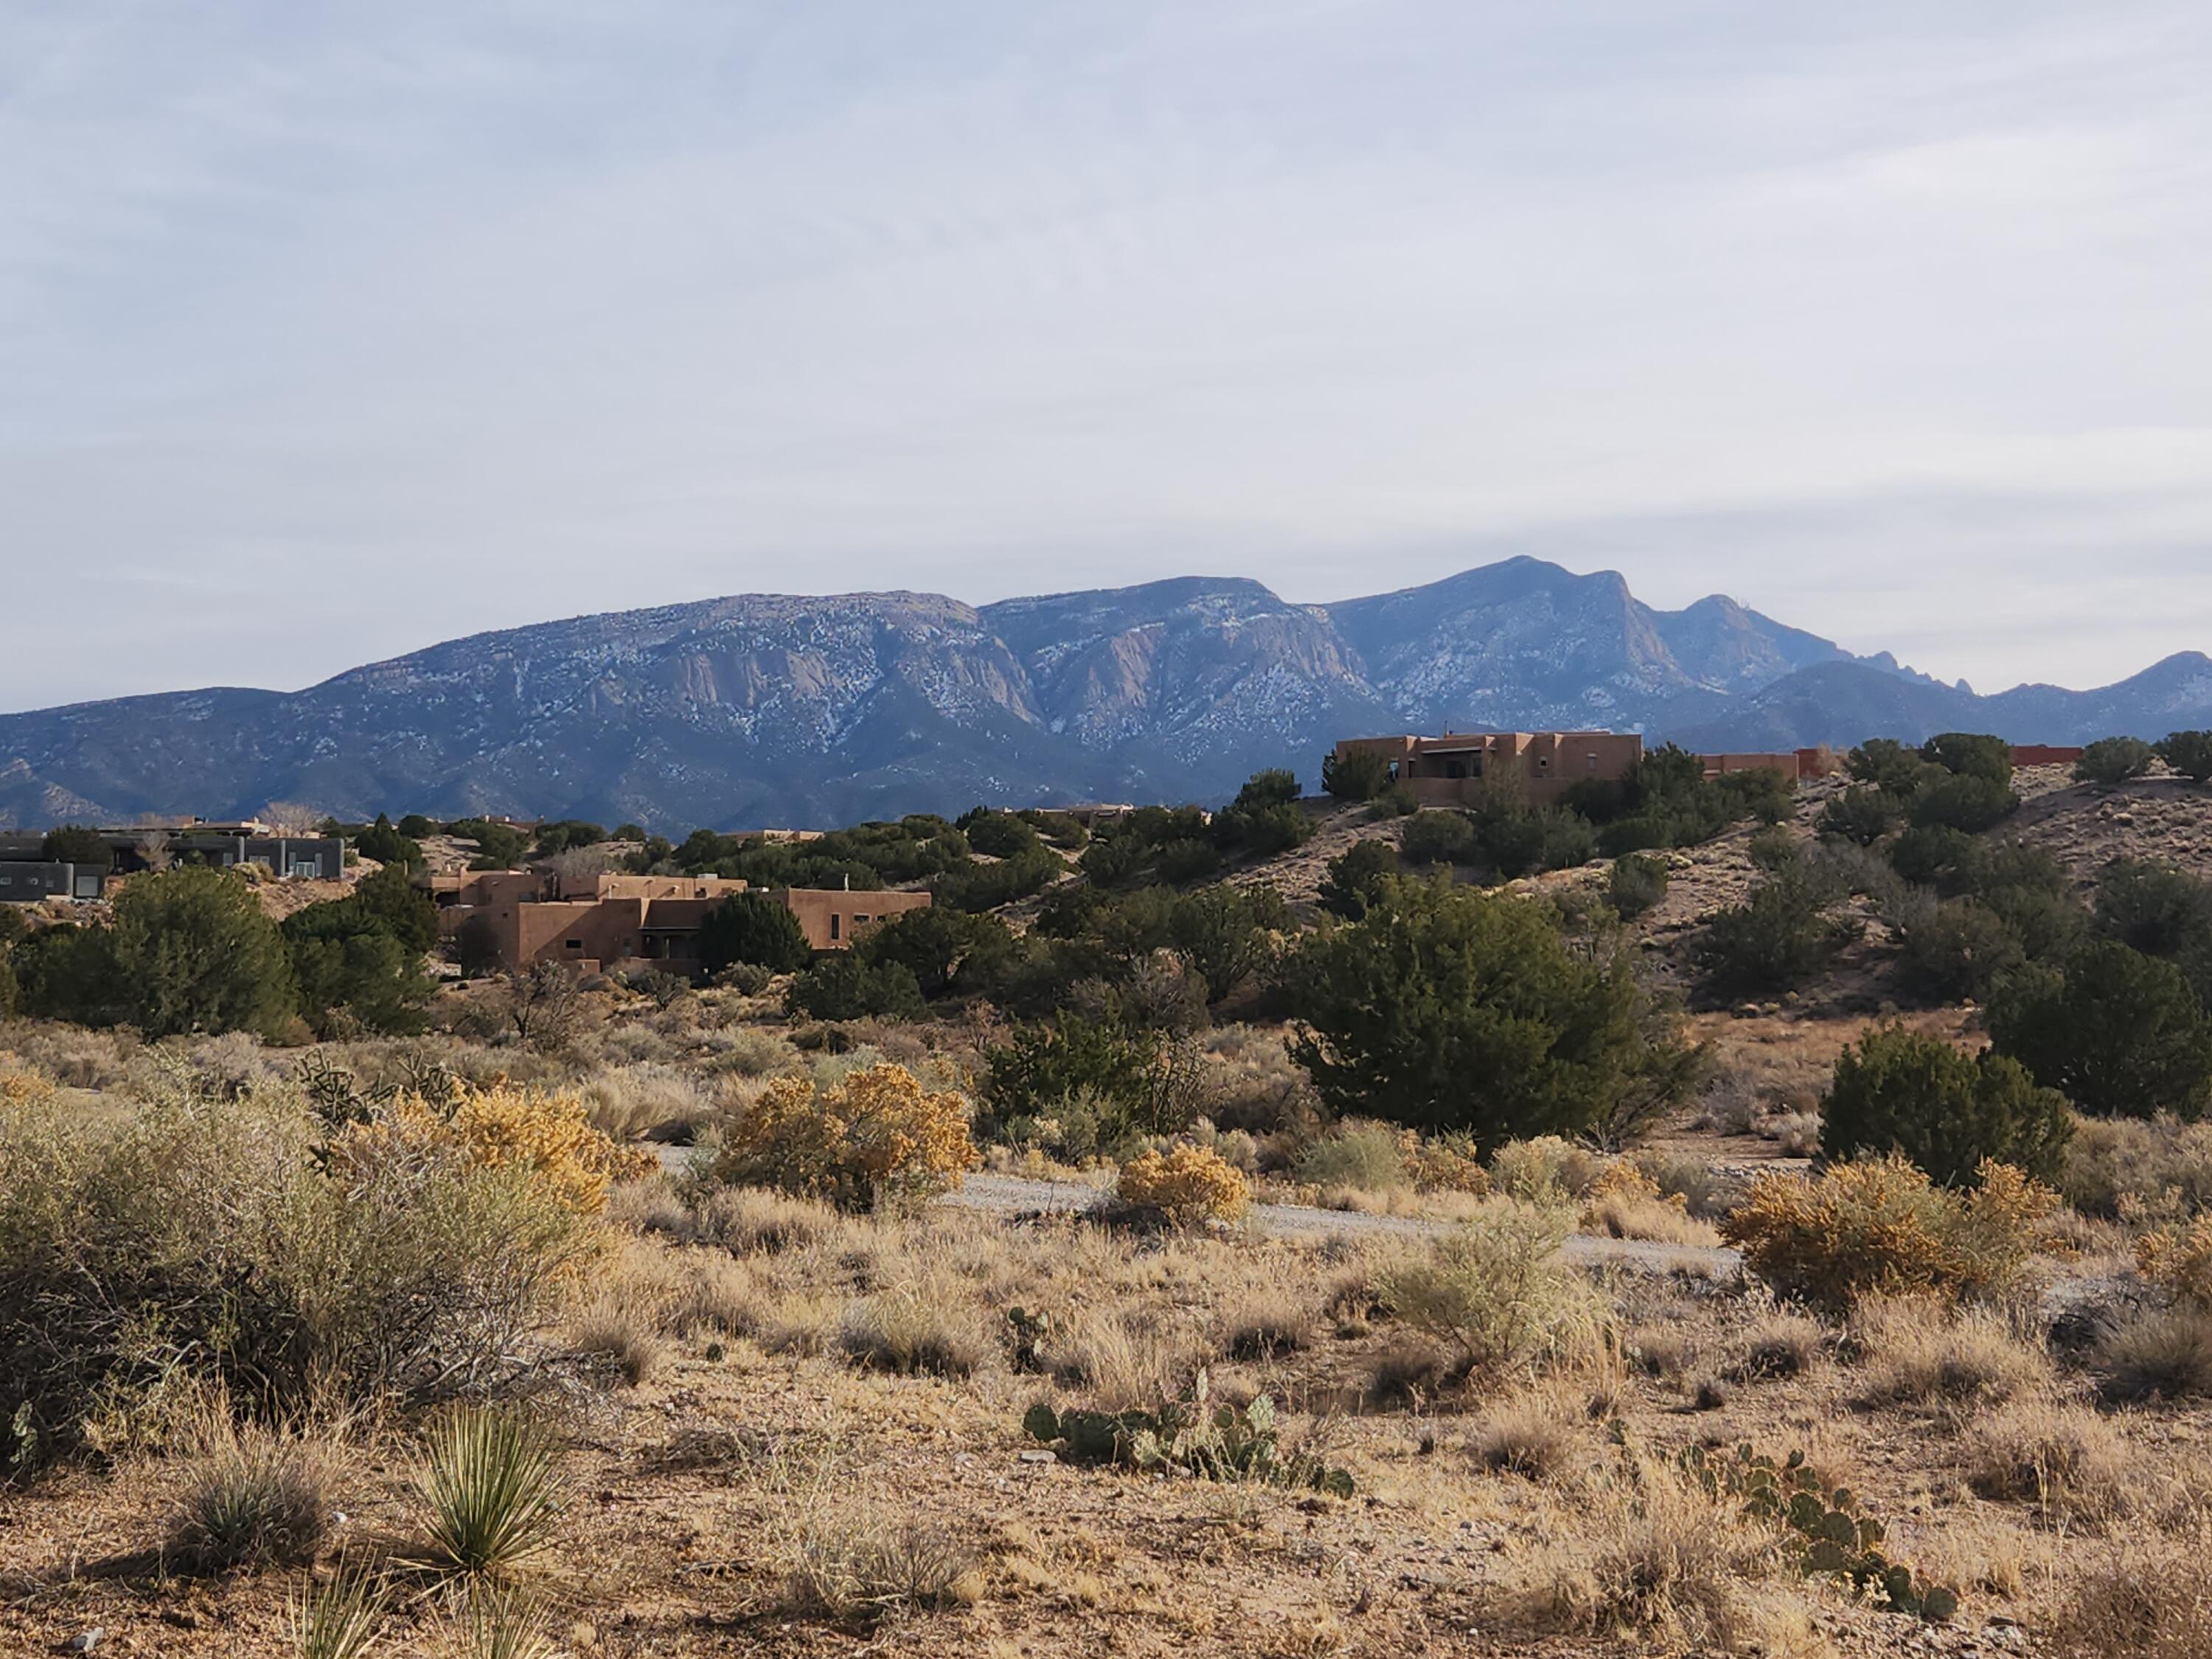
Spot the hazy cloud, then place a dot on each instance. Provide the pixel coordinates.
(328, 332)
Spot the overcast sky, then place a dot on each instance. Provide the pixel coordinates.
(327, 331)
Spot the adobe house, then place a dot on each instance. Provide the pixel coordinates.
(634, 919)
(1451, 770)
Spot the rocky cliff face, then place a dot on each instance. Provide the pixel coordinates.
(776, 710)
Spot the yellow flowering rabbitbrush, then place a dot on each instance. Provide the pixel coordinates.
(499, 1125)
(1190, 1185)
(877, 1136)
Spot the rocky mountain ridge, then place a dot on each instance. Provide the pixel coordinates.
(776, 709)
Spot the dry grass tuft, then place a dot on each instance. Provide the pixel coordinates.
(1269, 1324)
(2070, 1463)
(841, 1564)
(2162, 1354)
(1409, 1370)
(927, 1327)
(1536, 1437)
(748, 1220)
(1781, 1345)
(620, 1331)
(1917, 1352)
(1660, 1563)
(1123, 1360)
(2152, 1603)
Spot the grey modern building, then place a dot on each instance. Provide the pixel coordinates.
(27, 877)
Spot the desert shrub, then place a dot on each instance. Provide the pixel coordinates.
(1861, 814)
(1888, 764)
(1971, 754)
(846, 986)
(946, 950)
(500, 1125)
(875, 1136)
(380, 841)
(1957, 952)
(2158, 1170)
(1638, 883)
(367, 978)
(1188, 1185)
(1370, 1157)
(2157, 909)
(1227, 933)
(1545, 1170)
(79, 844)
(1965, 801)
(254, 1498)
(1437, 836)
(998, 834)
(1452, 1009)
(1359, 774)
(491, 1480)
(1265, 818)
(1775, 940)
(2189, 753)
(1881, 1226)
(2117, 1032)
(2156, 1353)
(1398, 800)
(192, 950)
(1497, 1291)
(752, 928)
(1916, 1351)
(1934, 855)
(644, 1102)
(1355, 877)
(2112, 761)
(1904, 1092)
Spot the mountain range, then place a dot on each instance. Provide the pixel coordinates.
(767, 709)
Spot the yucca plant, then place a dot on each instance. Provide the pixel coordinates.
(493, 1483)
(497, 1622)
(339, 1617)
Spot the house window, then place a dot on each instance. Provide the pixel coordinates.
(572, 944)
(860, 919)
(837, 926)
(1592, 767)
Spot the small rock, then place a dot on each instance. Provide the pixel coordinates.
(1038, 1457)
(85, 1640)
(584, 1633)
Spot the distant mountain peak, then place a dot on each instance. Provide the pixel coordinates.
(756, 709)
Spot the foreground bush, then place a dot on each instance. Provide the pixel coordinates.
(1883, 1226)
(1949, 1113)
(877, 1136)
(1499, 1292)
(229, 1245)
(1190, 1185)
(254, 1499)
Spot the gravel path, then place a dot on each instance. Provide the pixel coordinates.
(1013, 1196)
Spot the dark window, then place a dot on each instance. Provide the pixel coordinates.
(836, 926)
(573, 944)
